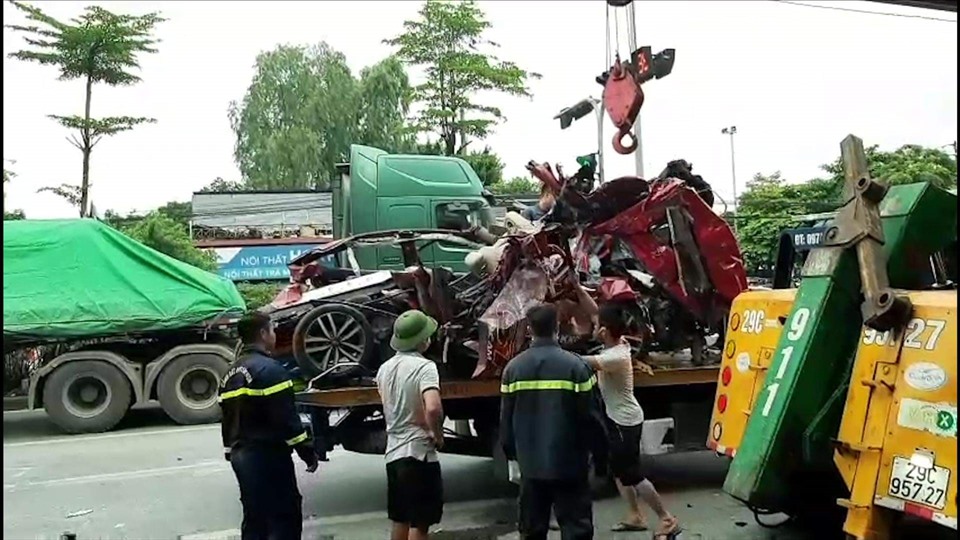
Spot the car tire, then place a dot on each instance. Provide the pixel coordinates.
(188, 388)
(329, 324)
(87, 396)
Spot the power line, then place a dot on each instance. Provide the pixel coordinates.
(868, 12)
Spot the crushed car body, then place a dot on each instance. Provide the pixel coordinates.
(655, 247)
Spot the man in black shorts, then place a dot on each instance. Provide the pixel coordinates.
(409, 387)
(614, 367)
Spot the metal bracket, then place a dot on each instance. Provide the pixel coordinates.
(857, 225)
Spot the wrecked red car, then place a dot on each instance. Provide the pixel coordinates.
(655, 247)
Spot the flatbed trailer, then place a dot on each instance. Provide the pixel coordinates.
(677, 401)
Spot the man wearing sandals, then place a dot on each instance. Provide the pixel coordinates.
(615, 378)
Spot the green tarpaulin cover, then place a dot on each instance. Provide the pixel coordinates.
(82, 278)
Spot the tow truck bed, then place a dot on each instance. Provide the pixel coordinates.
(464, 389)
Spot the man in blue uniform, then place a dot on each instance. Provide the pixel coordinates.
(260, 427)
(551, 422)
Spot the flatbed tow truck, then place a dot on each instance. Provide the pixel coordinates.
(677, 398)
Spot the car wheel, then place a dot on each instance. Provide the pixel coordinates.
(333, 334)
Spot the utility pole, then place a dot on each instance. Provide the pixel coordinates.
(731, 131)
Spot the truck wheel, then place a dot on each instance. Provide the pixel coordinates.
(332, 334)
(86, 396)
(188, 388)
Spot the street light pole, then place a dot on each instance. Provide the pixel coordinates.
(731, 131)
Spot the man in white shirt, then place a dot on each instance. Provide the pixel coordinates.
(614, 367)
(409, 387)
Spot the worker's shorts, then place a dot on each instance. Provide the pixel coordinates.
(625, 453)
(414, 492)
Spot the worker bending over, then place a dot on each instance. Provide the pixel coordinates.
(614, 367)
(550, 422)
(409, 387)
(260, 426)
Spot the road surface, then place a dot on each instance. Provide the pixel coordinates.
(153, 480)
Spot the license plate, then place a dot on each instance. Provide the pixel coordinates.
(918, 484)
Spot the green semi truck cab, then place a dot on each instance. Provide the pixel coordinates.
(379, 191)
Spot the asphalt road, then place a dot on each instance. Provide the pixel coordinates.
(150, 479)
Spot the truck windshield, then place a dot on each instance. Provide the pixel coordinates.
(460, 216)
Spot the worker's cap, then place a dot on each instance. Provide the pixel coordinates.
(412, 328)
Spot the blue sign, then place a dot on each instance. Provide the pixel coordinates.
(255, 263)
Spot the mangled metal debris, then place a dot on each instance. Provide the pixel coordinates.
(655, 247)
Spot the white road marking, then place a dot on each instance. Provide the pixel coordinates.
(21, 471)
(125, 475)
(102, 436)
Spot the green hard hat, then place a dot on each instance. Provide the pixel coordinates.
(412, 328)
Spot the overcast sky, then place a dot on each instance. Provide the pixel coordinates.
(794, 79)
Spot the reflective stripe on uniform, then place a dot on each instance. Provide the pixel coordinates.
(298, 439)
(256, 392)
(522, 386)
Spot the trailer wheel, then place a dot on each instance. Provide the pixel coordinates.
(188, 388)
(332, 334)
(86, 396)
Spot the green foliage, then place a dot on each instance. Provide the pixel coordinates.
(70, 193)
(385, 96)
(447, 41)
(518, 185)
(257, 295)
(219, 185)
(429, 148)
(771, 204)
(12, 215)
(178, 212)
(486, 164)
(908, 164)
(165, 235)
(97, 47)
(304, 108)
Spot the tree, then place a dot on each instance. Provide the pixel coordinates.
(517, 185)
(219, 185)
(304, 108)
(97, 47)
(771, 204)
(257, 295)
(447, 41)
(8, 176)
(165, 235)
(905, 165)
(486, 164)
(70, 193)
(385, 96)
